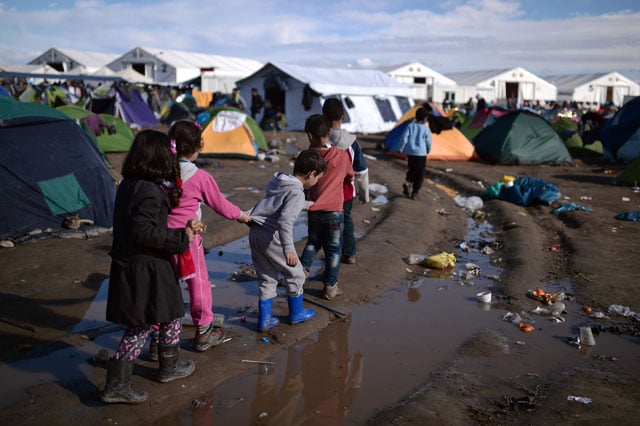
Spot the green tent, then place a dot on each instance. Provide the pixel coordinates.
(520, 137)
(115, 135)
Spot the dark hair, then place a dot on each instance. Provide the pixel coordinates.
(333, 109)
(188, 137)
(150, 158)
(309, 160)
(421, 114)
(317, 126)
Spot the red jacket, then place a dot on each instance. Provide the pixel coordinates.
(328, 193)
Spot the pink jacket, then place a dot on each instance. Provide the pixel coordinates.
(199, 187)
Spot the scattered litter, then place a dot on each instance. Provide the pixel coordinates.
(7, 244)
(585, 197)
(369, 157)
(519, 342)
(448, 170)
(526, 328)
(486, 250)
(472, 203)
(480, 184)
(380, 200)
(625, 311)
(512, 317)
(630, 216)
(414, 259)
(378, 188)
(626, 199)
(265, 339)
(463, 246)
(257, 362)
(442, 212)
(473, 269)
(598, 315)
(579, 399)
(367, 221)
(540, 311)
(568, 207)
(557, 319)
(442, 260)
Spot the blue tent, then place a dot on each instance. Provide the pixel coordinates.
(49, 169)
(622, 132)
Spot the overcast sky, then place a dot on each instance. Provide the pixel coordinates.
(542, 36)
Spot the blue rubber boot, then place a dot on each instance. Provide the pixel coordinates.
(265, 320)
(297, 313)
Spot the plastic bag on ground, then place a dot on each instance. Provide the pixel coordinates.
(442, 260)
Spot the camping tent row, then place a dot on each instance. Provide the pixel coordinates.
(373, 101)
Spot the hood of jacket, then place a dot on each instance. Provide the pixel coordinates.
(341, 138)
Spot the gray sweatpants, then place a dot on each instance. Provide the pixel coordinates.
(269, 261)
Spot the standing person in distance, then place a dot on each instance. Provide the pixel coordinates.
(198, 188)
(326, 215)
(256, 103)
(143, 287)
(416, 144)
(271, 237)
(333, 109)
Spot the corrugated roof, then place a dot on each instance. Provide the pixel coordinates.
(472, 78)
(567, 83)
(184, 59)
(89, 59)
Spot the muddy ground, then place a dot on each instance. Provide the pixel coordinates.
(46, 287)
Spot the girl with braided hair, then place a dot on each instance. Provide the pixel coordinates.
(198, 187)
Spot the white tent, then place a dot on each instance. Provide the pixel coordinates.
(594, 88)
(508, 86)
(219, 73)
(74, 61)
(424, 82)
(373, 101)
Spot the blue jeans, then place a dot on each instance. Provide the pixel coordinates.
(349, 231)
(325, 231)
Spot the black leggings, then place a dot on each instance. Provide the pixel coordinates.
(417, 170)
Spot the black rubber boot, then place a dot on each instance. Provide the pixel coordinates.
(153, 350)
(118, 386)
(171, 368)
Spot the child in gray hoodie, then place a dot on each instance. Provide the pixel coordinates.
(271, 237)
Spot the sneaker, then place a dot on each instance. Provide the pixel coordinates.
(331, 291)
(212, 337)
(349, 260)
(405, 189)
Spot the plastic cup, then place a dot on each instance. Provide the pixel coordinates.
(586, 336)
(484, 297)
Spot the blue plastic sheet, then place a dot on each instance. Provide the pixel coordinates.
(632, 216)
(525, 191)
(567, 207)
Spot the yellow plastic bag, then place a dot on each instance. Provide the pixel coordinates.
(442, 260)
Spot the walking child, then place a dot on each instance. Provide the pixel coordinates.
(271, 237)
(198, 187)
(333, 109)
(416, 144)
(143, 287)
(326, 214)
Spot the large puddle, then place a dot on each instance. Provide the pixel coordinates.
(348, 371)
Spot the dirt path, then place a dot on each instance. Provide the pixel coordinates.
(49, 284)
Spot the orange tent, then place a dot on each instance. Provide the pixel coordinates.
(449, 144)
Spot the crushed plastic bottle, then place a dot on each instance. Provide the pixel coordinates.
(581, 399)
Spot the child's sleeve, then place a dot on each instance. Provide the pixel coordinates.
(213, 198)
(291, 208)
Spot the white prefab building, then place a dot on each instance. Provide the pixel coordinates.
(174, 67)
(594, 88)
(373, 101)
(508, 87)
(425, 83)
(73, 61)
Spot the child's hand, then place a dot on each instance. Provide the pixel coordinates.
(244, 218)
(196, 226)
(292, 259)
(190, 234)
(309, 204)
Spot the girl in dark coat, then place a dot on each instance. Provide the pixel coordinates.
(143, 288)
